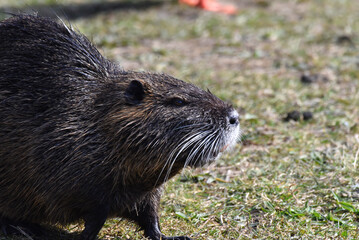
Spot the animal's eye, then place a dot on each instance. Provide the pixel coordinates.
(178, 101)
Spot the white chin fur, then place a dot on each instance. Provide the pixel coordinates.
(233, 137)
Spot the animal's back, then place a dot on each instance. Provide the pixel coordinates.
(48, 75)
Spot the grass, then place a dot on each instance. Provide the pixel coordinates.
(286, 180)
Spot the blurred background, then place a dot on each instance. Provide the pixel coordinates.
(290, 67)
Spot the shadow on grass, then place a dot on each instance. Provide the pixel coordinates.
(84, 10)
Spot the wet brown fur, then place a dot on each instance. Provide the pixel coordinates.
(81, 138)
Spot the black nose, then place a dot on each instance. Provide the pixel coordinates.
(233, 118)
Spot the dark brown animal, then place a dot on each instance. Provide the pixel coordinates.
(81, 138)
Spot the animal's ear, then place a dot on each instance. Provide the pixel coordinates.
(135, 92)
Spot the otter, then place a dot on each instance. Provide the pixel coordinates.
(83, 139)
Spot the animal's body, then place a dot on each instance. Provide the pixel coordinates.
(81, 138)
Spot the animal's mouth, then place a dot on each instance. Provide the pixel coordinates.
(211, 148)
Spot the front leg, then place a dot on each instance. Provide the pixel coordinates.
(146, 216)
(94, 222)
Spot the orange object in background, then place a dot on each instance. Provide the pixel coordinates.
(211, 5)
(190, 2)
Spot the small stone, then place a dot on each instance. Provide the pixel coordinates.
(307, 115)
(313, 78)
(344, 40)
(293, 115)
(308, 79)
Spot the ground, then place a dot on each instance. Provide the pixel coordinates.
(285, 179)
